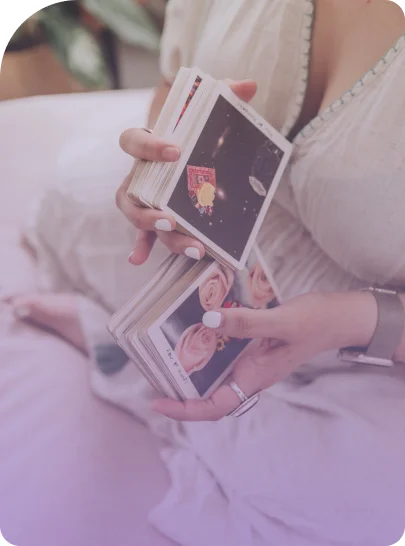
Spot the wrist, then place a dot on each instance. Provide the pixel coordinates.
(356, 316)
(399, 355)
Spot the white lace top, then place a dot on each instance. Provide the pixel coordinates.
(337, 222)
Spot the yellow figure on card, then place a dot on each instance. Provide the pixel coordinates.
(205, 194)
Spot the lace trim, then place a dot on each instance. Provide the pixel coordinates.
(306, 41)
(354, 91)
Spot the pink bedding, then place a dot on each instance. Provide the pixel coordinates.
(73, 469)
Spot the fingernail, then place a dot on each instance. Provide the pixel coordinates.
(163, 225)
(170, 154)
(193, 252)
(130, 255)
(212, 319)
(22, 312)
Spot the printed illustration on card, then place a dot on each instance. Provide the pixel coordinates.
(228, 175)
(203, 354)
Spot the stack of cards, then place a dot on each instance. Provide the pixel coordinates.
(231, 163)
(161, 328)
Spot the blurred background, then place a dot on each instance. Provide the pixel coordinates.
(84, 45)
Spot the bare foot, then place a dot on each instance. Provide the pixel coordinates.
(55, 312)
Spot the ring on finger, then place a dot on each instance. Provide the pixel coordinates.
(147, 130)
(247, 402)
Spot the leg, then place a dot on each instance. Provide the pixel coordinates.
(73, 470)
(90, 258)
(57, 313)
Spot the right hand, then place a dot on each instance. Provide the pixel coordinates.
(154, 223)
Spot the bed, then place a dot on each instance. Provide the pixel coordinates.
(73, 469)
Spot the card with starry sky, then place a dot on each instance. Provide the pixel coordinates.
(228, 179)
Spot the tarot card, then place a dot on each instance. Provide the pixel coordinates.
(127, 323)
(193, 91)
(263, 290)
(146, 189)
(197, 357)
(182, 81)
(261, 276)
(130, 313)
(190, 93)
(171, 103)
(222, 186)
(189, 107)
(201, 185)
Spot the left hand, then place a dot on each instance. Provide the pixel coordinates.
(291, 335)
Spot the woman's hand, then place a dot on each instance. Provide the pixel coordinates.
(154, 223)
(284, 338)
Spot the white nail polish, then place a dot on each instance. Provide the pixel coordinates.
(22, 312)
(193, 253)
(212, 319)
(163, 225)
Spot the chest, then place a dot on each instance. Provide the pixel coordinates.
(346, 179)
(303, 54)
(345, 44)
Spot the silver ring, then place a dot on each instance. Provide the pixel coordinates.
(237, 390)
(147, 130)
(247, 403)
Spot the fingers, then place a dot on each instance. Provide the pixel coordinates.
(175, 242)
(249, 377)
(245, 89)
(143, 145)
(181, 244)
(243, 323)
(160, 224)
(147, 219)
(253, 373)
(221, 403)
(144, 244)
(142, 218)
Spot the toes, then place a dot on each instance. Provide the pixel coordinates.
(26, 308)
(22, 312)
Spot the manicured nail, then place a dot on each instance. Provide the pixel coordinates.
(170, 154)
(212, 319)
(22, 312)
(163, 225)
(130, 255)
(192, 252)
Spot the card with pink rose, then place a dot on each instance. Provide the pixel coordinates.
(197, 357)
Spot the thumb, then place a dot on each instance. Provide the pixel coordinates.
(241, 322)
(244, 89)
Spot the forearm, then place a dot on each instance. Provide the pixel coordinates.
(157, 103)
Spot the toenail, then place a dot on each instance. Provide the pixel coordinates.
(22, 312)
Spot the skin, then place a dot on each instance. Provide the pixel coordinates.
(304, 326)
(311, 324)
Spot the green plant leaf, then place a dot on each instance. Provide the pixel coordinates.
(76, 47)
(128, 20)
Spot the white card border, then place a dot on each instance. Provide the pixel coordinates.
(271, 133)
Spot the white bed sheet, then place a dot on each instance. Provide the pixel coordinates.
(73, 469)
